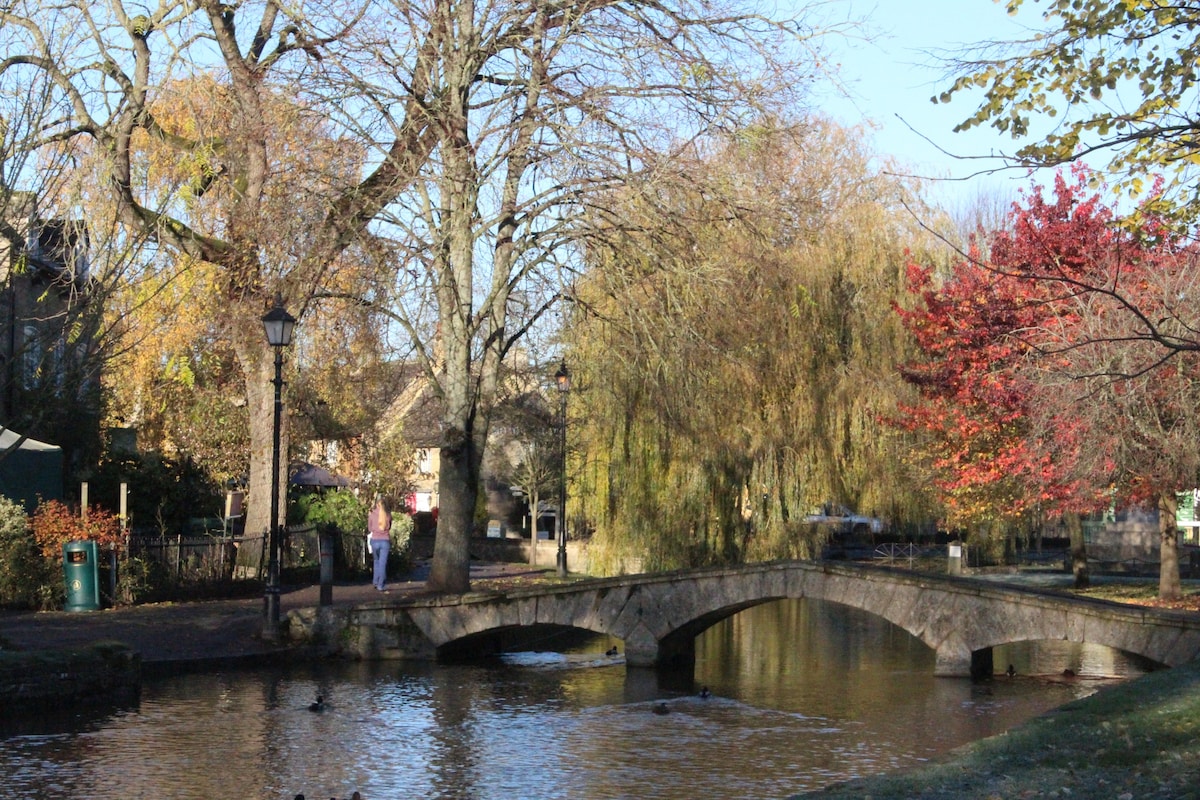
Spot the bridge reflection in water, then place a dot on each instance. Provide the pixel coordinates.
(805, 693)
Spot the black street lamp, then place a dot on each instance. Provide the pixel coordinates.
(279, 325)
(562, 379)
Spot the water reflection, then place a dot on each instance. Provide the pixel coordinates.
(804, 694)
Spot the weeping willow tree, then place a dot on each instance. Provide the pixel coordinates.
(736, 363)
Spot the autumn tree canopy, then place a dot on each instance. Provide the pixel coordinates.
(976, 328)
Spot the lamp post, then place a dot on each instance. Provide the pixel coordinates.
(278, 324)
(562, 379)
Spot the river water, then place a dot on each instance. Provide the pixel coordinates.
(803, 694)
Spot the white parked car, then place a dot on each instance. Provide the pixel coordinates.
(845, 521)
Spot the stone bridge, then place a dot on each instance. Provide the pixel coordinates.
(658, 616)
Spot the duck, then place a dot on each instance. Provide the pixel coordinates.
(705, 693)
(317, 705)
(612, 651)
(661, 708)
(1011, 671)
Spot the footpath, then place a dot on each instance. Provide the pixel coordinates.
(197, 635)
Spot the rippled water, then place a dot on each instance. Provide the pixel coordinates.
(804, 694)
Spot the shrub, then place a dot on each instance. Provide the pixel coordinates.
(399, 553)
(337, 509)
(54, 525)
(141, 579)
(163, 493)
(27, 579)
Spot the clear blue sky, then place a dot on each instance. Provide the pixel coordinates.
(893, 75)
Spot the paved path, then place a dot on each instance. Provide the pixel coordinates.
(190, 635)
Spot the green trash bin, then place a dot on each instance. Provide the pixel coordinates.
(81, 570)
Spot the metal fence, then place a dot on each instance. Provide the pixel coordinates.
(199, 558)
(212, 556)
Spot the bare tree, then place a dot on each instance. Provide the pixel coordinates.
(541, 113)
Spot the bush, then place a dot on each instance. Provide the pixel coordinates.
(399, 553)
(337, 511)
(163, 493)
(27, 578)
(54, 525)
(141, 579)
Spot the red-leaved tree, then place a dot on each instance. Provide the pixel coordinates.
(1045, 381)
(999, 455)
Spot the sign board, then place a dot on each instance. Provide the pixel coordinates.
(234, 504)
(494, 529)
(1186, 512)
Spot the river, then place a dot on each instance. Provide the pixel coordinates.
(803, 693)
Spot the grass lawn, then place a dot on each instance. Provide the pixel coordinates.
(1144, 593)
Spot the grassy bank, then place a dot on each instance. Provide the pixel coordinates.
(1134, 741)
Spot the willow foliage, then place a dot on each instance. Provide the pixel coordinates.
(735, 366)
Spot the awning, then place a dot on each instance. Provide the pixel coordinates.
(33, 470)
(302, 474)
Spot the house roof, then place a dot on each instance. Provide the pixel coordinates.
(416, 413)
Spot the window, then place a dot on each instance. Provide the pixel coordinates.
(31, 357)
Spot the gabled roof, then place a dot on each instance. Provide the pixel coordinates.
(416, 412)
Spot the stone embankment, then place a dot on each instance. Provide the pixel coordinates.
(45, 680)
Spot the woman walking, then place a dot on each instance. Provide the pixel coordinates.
(379, 527)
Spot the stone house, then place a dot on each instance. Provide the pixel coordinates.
(413, 416)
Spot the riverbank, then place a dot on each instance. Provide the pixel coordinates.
(1132, 741)
(56, 659)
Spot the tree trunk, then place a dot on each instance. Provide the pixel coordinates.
(1168, 547)
(1079, 564)
(257, 360)
(458, 487)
